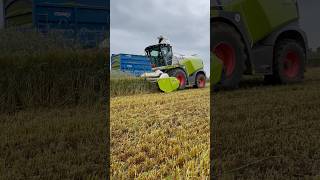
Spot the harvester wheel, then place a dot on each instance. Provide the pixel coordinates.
(180, 75)
(200, 81)
(289, 63)
(228, 46)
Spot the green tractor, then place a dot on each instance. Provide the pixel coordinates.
(172, 72)
(260, 37)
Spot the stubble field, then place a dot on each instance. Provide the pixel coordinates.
(268, 132)
(55, 143)
(160, 135)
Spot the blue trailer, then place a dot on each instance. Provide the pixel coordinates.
(129, 63)
(84, 20)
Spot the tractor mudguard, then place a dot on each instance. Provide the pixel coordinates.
(216, 70)
(168, 85)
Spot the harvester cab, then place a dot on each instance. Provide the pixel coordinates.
(160, 55)
(172, 73)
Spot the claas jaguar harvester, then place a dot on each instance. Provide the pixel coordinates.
(173, 72)
(257, 37)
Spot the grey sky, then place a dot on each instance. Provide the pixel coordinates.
(135, 24)
(310, 12)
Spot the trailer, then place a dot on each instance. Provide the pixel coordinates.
(132, 64)
(84, 20)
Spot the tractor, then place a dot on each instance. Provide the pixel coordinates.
(257, 37)
(173, 72)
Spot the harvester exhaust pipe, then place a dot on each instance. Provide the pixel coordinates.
(162, 39)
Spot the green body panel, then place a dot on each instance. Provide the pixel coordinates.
(261, 17)
(214, 13)
(162, 68)
(19, 13)
(115, 62)
(216, 69)
(192, 65)
(168, 84)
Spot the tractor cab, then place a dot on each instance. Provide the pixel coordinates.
(160, 55)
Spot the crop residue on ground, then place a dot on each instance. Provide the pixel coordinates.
(268, 132)
(160, 135)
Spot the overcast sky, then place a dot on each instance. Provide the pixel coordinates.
(137, 24)
(310, 13)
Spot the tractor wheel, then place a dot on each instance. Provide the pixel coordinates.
(200, 81)
(289, 63)
(228, 46)
(180, 75)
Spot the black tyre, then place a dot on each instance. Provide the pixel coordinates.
(200, 81)
(180, 75)
(227, 45)
(289, 63)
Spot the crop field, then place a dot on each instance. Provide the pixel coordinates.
(55, 143)
(46, 71)
(122, 84)
(160, 135)
(268, 132)
(52, 121)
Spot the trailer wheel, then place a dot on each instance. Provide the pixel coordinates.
(228, 46)
(289, 62)
(180, 75)
(200, 81)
